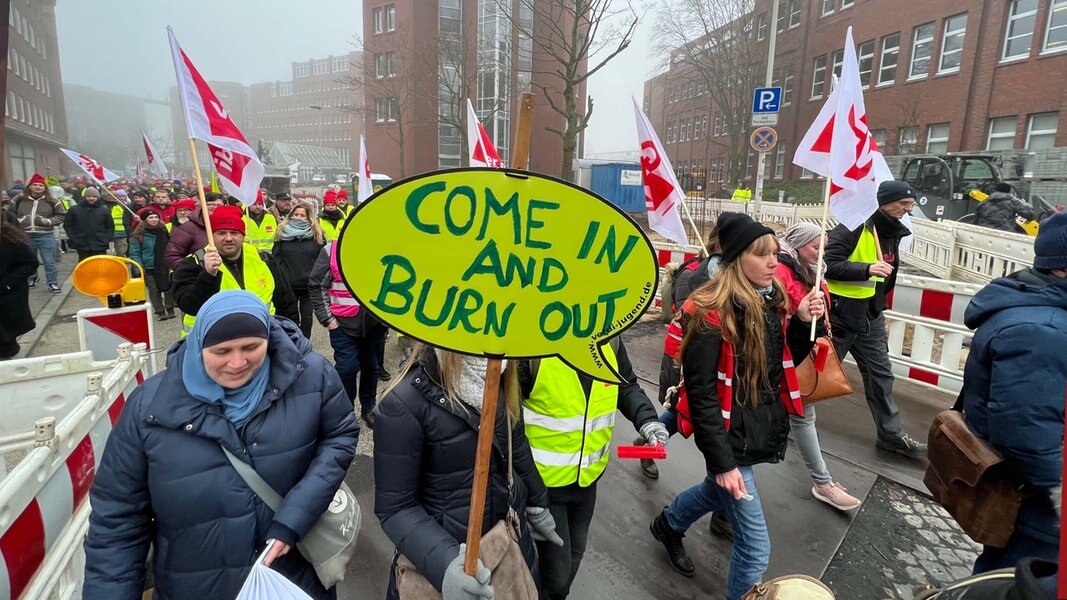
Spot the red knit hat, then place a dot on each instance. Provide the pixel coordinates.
(37, 178)
(342, 194)
(330, 197)
(228, 218)
(184, 204)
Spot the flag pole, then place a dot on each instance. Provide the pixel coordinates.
(200, 194)
(116, 199)
(822, 247)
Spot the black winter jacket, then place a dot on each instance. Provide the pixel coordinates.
(295, 260)
(424, 455)
(89, 227)
(163, 479)
(192, 286)
(999, 211)
(850, 313)
(17, 263)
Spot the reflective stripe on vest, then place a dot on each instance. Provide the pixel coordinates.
(342, 303)
(258, 280)
(866, 252)
(117, 216)
(261, 236)
(569, 434)
(331, 231)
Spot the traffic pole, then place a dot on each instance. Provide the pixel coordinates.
(768, 79)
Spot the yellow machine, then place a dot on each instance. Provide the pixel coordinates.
(1030, 226)
(109, 279)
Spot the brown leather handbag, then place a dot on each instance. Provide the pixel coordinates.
(820, 374)
(790, 587)
(970, 479)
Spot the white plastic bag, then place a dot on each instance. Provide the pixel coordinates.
(264, 583)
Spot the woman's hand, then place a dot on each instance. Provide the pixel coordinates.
(812, 306)
(733, 483)
(277, 549)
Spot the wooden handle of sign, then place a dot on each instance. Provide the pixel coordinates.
(520, 158)
(200, 194)
(877, 243)
(486, 428)
(822, 251)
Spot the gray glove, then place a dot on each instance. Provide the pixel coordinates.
(542, 525)
(655, 433)
(457, 585)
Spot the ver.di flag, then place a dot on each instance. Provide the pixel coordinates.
(482, 151)
(93, 169)
(663, 195)
(155, 161)
(366, 188)
(236, 163)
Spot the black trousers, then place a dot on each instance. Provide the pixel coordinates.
(572, 508)
(303, 300)
(84, 254)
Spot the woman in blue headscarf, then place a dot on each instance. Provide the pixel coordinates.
(252, 384)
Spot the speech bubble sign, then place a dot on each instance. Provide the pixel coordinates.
(500, 263)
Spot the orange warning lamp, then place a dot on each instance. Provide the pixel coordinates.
(108, 278)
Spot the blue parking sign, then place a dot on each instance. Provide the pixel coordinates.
(766, 100)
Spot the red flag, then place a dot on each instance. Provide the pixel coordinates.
(482, 151)
(240, 171)
(155, 162)
(92, 168)
(663, 195)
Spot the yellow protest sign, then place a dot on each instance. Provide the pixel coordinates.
(487, 262)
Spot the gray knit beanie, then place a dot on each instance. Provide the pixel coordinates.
(800, 234)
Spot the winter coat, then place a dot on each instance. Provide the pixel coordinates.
(424, 467)
(26, 208)
(17, 263)
(147, 248)
(692, 274)
(164, 480)
(192, 286)
(363, 324)
(295, 260)
(89, 227)
(1015, 379)
(185, 240)
(851, 313)
(999, 211)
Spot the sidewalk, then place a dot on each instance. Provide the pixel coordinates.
(44, 304)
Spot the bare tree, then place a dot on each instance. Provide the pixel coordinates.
(576, 38)
(714, 43)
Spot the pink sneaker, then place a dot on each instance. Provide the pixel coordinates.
(836, 496)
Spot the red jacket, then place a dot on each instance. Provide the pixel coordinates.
(795, 288)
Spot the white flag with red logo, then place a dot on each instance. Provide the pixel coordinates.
(366, 188)
(239, 170)
(93, 169)
(482, 151)
(663, 195)
(155, 161)
(840, 146)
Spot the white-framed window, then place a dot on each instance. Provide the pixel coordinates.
(818, 77)
(952, 43)
(866, 60)
(1041, 131)
(887, 67)
(384, 65)
(847, 4)
(922, 47)
(794, 13)
(783, 8)
(1001, 133)
(909, 137)
(390, 17)
(717, 128)
(788, 83)
(762, 25)
(302, 69)
(1019, 31)
(340, 64)
(828, 7)
(838, 62)
(937, 138)
(13, 62)
(1056, 30)
(879, 136)
(379, 19)
(779, 161)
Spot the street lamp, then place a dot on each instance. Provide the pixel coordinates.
(319, 140)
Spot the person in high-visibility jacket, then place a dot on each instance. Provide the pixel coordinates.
(230, 264)
(331, 219)
(342, 203)
(118, 215)
(260, 225)
(569, 419)
(741, 193)
(860, 272)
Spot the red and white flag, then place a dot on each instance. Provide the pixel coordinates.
(663, 195)
(366, 188)
(93, 169)
(840, 146)
(140, 171)
(155, 161)
(236, 163)
(482, 151)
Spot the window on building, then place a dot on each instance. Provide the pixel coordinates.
(32, 37)
(879, 136)
(390, 17)
(1056, 31)
(952, 43)
(13, 62)
(909, 137)
(818, 77)
(381, 110)
(717, 128)
(1019, 32)
(922, 46)
(302, 69)
(22, 109)
(788, 83)
(887, 68)
(838, 62)
(828, 7)
(937, 138)
(670, 132)
(762, 25)
(779, 161)
(384, 65)
(866, 60)
(847, 4)
(750, 163)
(1001, 133)
(1041, 132)
(22, 161)
(794, 13)
(18, 21)
(379, 19)
(340, 64)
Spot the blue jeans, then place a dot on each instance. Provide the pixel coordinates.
(357, 356)
(670, 421)
(752, 545)
(45, 247)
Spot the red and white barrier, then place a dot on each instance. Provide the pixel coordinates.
(671, 253)
(102, 330)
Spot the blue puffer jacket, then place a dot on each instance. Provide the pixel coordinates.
(163, 479)
(1016, 373)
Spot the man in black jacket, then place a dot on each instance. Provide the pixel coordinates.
(89, 226)
(861, 269)
(1000, 210)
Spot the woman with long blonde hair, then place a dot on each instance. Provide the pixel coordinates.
(739, 387)
(296, 247)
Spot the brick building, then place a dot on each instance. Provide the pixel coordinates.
(35, 122)
(939, 76)
(405, 94)
(107, 126)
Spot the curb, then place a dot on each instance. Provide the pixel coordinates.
(44, 319)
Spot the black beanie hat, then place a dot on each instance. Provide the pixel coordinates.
(737, 233)
(892, 190)
(233, 326)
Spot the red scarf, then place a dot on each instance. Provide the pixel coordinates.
(789, 388)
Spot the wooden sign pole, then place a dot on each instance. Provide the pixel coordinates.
(200, 194)
(491, 396)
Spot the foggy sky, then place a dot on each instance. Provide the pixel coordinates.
(121, 46)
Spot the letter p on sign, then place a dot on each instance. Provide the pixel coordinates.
(766, 100)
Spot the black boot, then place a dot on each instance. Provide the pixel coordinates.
(648, 466)
(368, 417)
(672, 542)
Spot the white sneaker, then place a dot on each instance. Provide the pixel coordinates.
(836, 496)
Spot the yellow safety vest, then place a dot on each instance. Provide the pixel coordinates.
(866, 252)
(117, 216)
(258, 280)
(261, 236)
(331, 231)
(569, 434)
(741, 195)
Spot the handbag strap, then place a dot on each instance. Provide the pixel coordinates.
(507, 422)
(254, 481)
